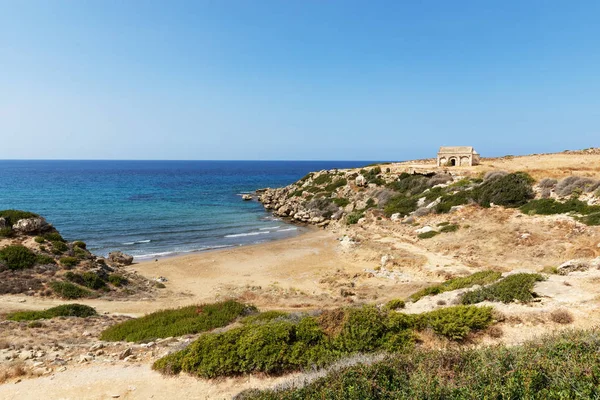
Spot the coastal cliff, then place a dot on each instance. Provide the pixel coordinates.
(404, 191)
(36, 260)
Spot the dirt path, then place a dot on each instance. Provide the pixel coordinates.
(129, 382)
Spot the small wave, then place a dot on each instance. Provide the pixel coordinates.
(287, 229)
(137, 242)
(176, 252)
(247, 234)
(269, 227)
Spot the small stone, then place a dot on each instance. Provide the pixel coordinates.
(26, 355)
(86, 333)
(125, 353)
(85, 358)
(62, 369)
(97, 346)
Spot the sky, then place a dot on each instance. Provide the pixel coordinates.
(296, 80)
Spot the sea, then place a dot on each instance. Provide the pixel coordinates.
(153, 209)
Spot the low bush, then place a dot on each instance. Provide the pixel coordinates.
(68, 290)
(283, 343)
(451, 200)
(53, 237)
(341, 201)
(513, 287)
(512, 190)
(576, 185)
(478, 278)
(87, 279)
(12, 216)
(400, 205)
(264, 317)
(117, 280)
(547, 183)
(65, 310)
(322, 179)
(455, 322)
(561, 316)
(17, 257)
(44, 259)
(336, 184)
(69, 261)
(39, 239)
(552, 367)
(427, 235)
(59, 246)
(494, 175)
(6, 232)
(177, 322)
(395, 304)
(449, 228)
(354, 217)
(79, 244)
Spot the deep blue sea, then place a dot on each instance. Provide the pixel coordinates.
(154, 208)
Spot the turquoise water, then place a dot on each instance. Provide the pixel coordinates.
(154, 208)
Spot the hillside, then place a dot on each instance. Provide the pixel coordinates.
(37, 261)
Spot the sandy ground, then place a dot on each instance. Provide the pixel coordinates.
(129, 382)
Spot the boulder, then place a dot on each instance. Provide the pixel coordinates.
(246, 197)
(424, 229)
(118, 257)
(360, 181)
(30, 225)
(396, 217)
(578, 265)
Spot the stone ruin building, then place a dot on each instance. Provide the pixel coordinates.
(451, 156)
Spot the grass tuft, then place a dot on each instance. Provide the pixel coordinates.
(478, 278)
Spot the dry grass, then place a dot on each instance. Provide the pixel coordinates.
(495, 332)
(15, 369)
(562, 316)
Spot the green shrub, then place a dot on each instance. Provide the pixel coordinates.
(44, 259)
(427, 235)
(592, 219)
(512, 190)
(341, 201)
(513, 287)
(282, 343)
(395, 304)
(451, 200)
(353, 218)
(400, 204)
(6, 232)
(322, 179)
(68, 290)
(69, 261)
(563, 366)
(456, 322)
(53, 237)
(117, 280)
(263, 317)
(449, 228)
(65, 310)
(177, 322)
(39, 239)
(410, 185)
(17, 257)
(12, 216)
(336, 184)
(478, 278)
(59, 246)
(79, 244)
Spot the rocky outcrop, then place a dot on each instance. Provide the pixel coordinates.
(120, 258)
(30, 225)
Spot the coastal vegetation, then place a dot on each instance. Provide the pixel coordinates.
(65, 310)
(177, 322)
(68, 290)
(478, 278)
(277, 343)
(562, 366)
(514, 287)
(17, 257)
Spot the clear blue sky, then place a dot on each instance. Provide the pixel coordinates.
(352, 80)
